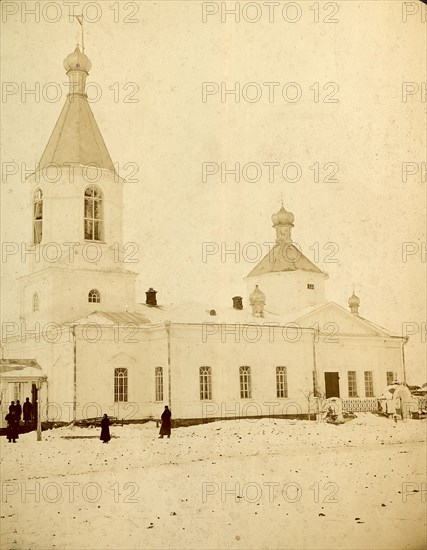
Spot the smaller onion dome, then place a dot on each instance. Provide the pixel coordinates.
(257, 295)
(354, 300)
(257, 302)
(282, 217)
(354, 303)
(77, 61)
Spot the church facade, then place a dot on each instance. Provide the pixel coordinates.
(272, 352)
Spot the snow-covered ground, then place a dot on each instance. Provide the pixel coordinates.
(265, 483)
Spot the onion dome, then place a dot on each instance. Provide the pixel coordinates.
(283, 222)
(354, 303)
(354, 300)
(257, 302)
(282, 217)
(77, 61)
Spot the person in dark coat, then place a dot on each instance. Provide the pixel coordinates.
(18, 410)
(28, 411)
(105, 429)
(165, 428)
(12, 406)
(12, 426)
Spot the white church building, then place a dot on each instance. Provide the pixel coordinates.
(98, 350)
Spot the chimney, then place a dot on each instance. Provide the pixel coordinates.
(151, 299)
(237, 302)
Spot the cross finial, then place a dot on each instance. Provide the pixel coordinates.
(80, 20)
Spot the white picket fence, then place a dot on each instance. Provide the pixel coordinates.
(368, 404)
(371, 404)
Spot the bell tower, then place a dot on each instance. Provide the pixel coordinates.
(75, 223)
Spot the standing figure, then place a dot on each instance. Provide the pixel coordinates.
(12, 406)
(28, 411)
(105, 429)
(12, 426)
(165, 428)
(18, 410)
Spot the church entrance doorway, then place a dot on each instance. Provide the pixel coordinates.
(332, 385)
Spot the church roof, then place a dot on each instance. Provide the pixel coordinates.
(346, 323)
(76, 137)
(20, 368)
(332, 318)
(284, 257)
(124, 317)
(9, 364)
(118, 317)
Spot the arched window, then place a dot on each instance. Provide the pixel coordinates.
(94, 296)
(245, 383)
(94, 219)
(159, 383)
(120, 385)
(36, 301)
(205, 377)
(281, 382)
(37, 216)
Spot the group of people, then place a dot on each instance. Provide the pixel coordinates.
(13, 418)
(165, 428)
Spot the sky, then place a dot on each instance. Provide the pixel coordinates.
(329, 94)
